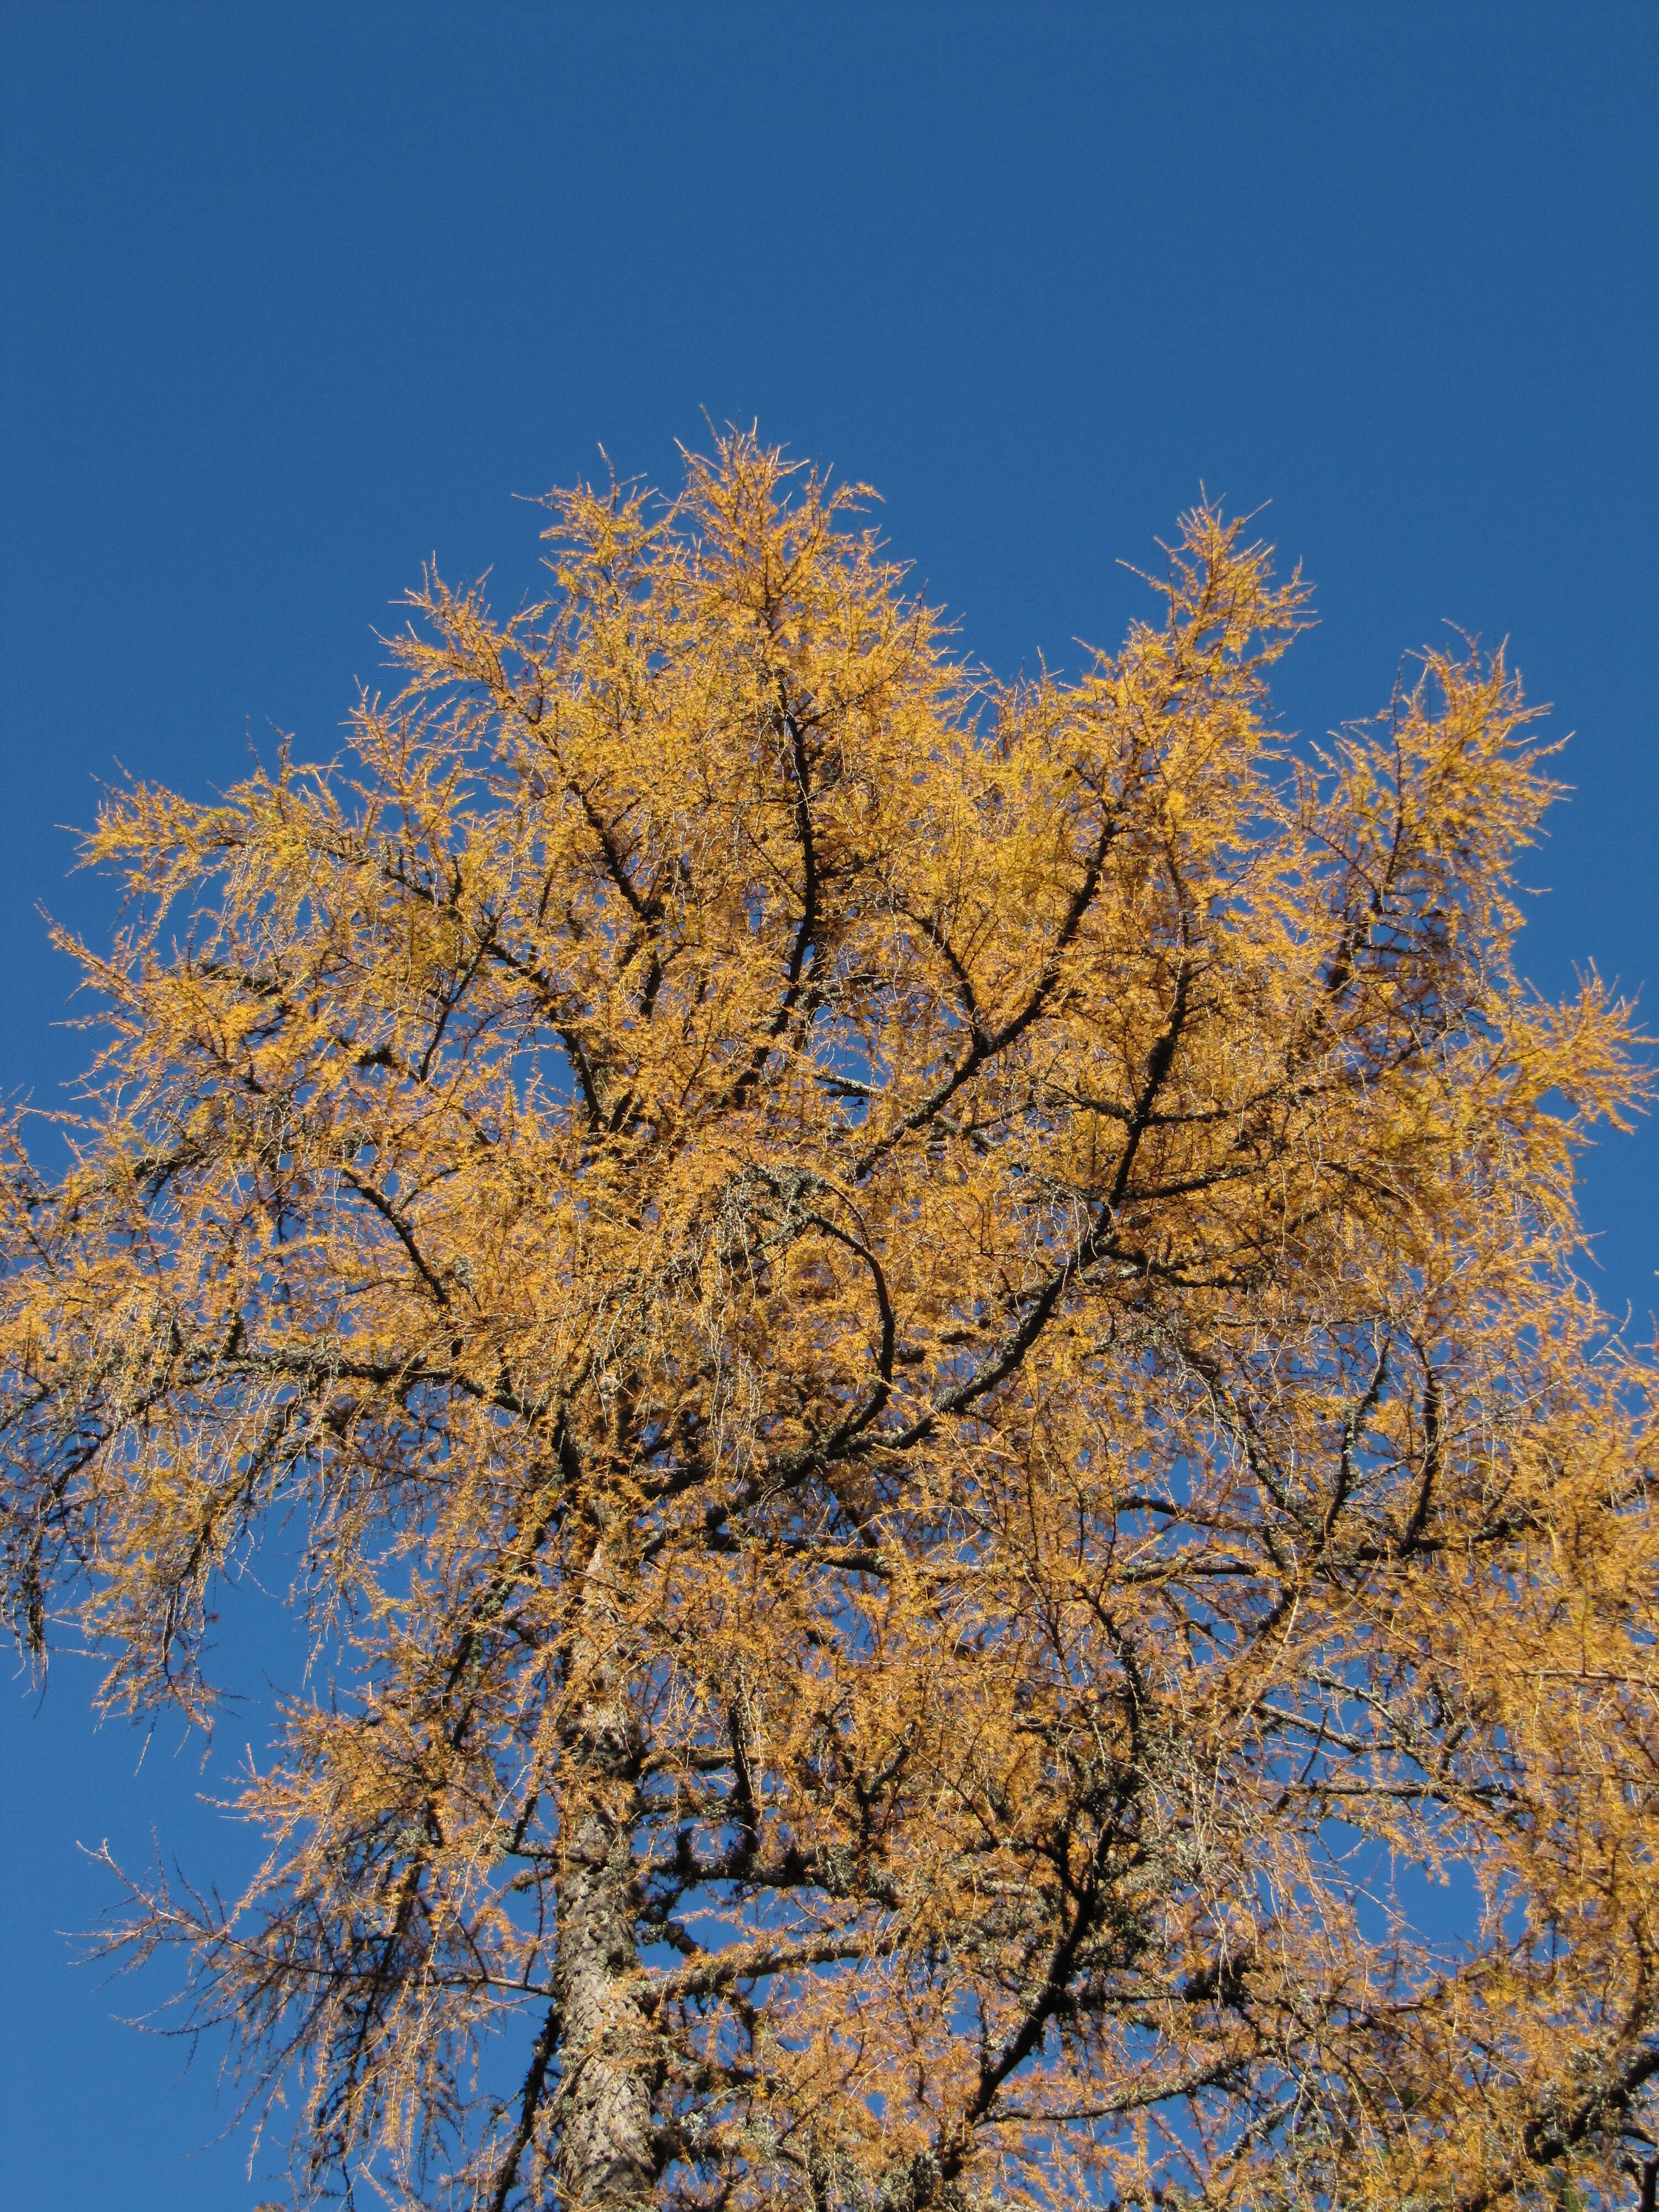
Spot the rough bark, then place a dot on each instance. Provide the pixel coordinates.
(604, 2155)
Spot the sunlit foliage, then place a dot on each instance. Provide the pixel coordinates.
(925, 1334)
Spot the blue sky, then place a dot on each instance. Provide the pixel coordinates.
(292, 298)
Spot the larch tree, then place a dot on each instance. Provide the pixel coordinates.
(925, 1334)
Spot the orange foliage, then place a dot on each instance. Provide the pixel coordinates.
(927, 1335)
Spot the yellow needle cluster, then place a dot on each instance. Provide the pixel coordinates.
(925, 1333)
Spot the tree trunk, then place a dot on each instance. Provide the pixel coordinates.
(604, 2155)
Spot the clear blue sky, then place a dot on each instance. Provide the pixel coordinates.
(292, 298)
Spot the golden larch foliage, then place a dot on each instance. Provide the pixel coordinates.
(925, 1334)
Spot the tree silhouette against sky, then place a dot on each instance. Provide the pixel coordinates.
(925, 1335)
